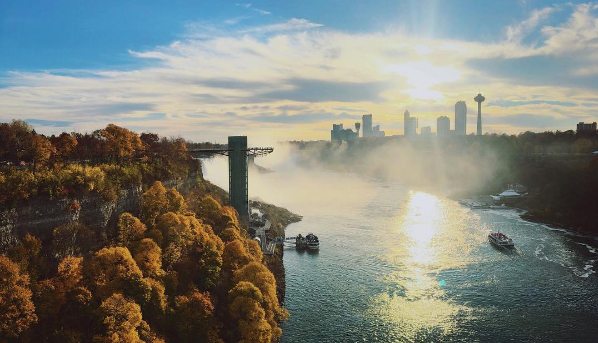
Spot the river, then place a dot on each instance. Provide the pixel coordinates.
(403, 265)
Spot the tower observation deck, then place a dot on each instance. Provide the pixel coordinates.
(238, 177)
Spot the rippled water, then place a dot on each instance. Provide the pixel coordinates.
(403, 265)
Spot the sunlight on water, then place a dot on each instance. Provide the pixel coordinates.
(415, 301)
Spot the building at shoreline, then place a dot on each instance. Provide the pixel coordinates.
(460, 118)
(409, 124)
(443, 126)
(340, 134)
(366, 127)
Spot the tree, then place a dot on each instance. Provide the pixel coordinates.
(260, 276)
(42, 150)
(121, 143)
(129, 229)
(121, 318)
(235, 256)
(17, 312)
(148, 256)
(153, 203)
(65, 145)
(194, 318)
(113, 270)
(245, 308)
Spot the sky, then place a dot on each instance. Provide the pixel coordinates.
(279, 70)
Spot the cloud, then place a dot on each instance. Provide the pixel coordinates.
(307, 90)
(305, 117)
(291, 80)
(49, 123)
(293, 24)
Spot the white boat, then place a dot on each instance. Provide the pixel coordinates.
(312, 241)
(500, 240)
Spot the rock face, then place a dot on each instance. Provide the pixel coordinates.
(41, 215)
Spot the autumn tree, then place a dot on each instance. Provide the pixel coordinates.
(65, 145)
(121, 143)
(260, 276)
(121, 318)
(148, 256)
(194, 318)
(112, 270)
(17, 312)
(245, 308)
(129, 229)
(41, 150)
(153, 203)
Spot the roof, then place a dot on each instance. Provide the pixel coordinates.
(509, 193)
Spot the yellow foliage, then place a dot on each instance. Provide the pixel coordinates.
(112, 270)
(121, 318)
(246, 308)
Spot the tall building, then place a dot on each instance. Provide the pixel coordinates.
(460, 118)
(367, 125)
(410, 124)
(586, 127)
(443, 126)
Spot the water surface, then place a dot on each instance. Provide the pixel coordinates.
(398, 264)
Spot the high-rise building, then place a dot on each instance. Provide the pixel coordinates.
(410, 124)
(460, 118)
(367, 125)
(443, 126)
(426, 131)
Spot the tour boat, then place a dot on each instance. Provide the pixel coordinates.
(500, 240)
(312, 241)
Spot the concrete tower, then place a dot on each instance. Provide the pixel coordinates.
(460, 118)
(357, 127)
(479, 99)
(237, 173)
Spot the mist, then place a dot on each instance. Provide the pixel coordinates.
(322, 176)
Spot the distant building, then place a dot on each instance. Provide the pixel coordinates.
(410, 125)
(339, 134)
(460, 118)
(426, 131)
(586, 128)
(367, 125)
(377, 132)
(443, 126)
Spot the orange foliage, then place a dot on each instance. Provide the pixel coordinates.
(129, 229)
(121, 318)
(17, 312)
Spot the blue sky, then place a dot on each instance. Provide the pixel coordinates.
(290, 66)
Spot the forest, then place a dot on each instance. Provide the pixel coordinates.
(182, 269)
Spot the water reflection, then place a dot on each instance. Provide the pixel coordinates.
(414, 301)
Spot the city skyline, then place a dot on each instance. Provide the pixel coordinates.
(276, 71)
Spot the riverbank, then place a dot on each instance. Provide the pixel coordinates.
(280, 219)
